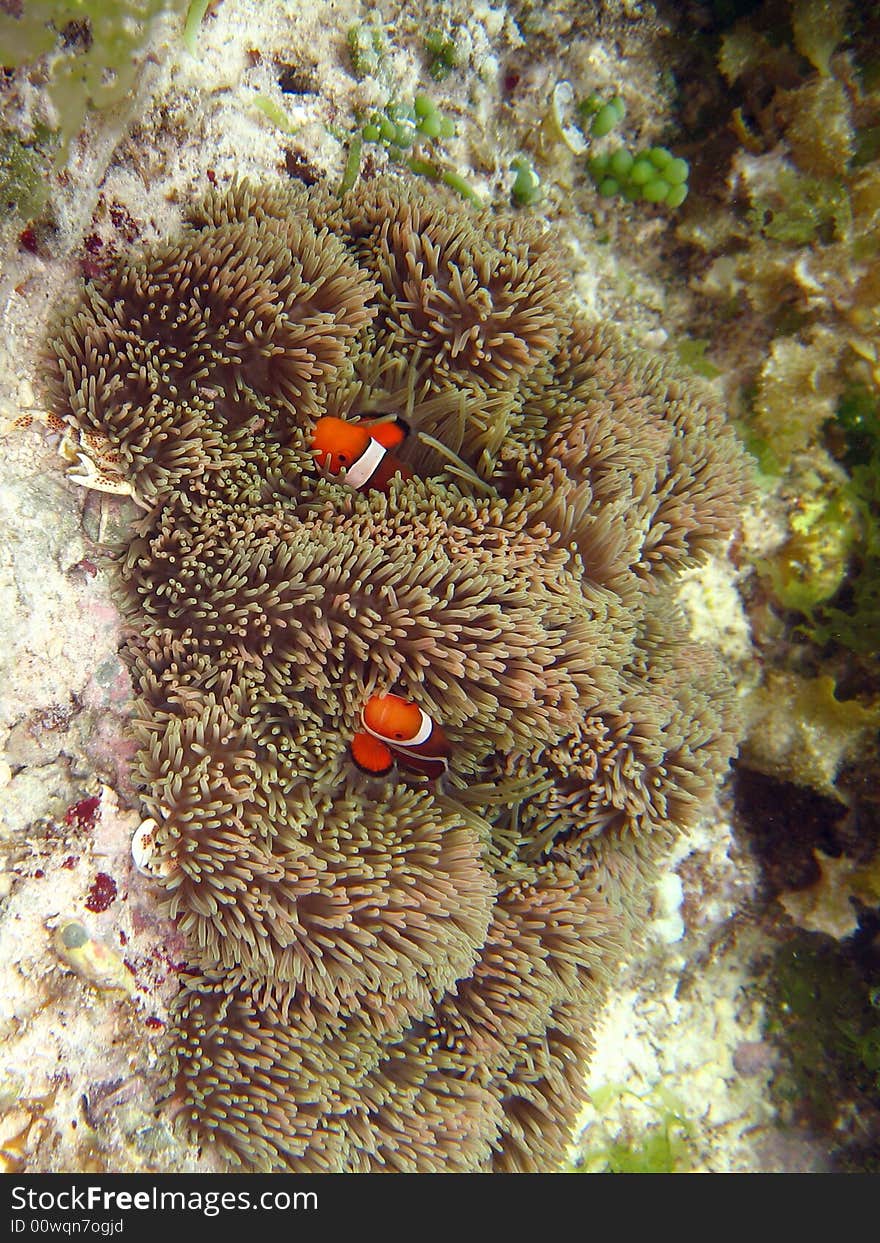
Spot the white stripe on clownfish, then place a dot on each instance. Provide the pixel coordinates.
(362, 471)
(425, 766)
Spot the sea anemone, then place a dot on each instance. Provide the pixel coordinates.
(473, 302)
(388, 973)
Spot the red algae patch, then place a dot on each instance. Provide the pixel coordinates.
(102, 893)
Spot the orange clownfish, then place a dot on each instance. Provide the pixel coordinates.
(397, 730)
(363, 450)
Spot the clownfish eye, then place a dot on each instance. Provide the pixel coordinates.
(398, 735)
(343, 457)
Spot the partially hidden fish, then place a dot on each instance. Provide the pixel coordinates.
(399, 731)
(363, 450)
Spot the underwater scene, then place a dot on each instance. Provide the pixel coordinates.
(440, 692)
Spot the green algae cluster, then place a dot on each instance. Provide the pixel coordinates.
(23, 177)
(90, 50)
(662, 1148)
(368, 49)
(654, 175)
(794, 246)
(526, 189)
(790, 258)
(367, 46)
(412, 132)
(784, 245)
(442, 54)
(851, 618)
(399, 126)
(823, 1011)
(799, 209)
(828, 570)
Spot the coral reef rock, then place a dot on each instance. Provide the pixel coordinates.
(389, 973)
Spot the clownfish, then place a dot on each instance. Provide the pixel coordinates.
(362, 450)
(402, 732)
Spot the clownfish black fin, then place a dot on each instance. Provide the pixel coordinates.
(390, 432)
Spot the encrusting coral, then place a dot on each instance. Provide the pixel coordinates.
(386, 973)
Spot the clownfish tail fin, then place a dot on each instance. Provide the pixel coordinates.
(371, 755)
